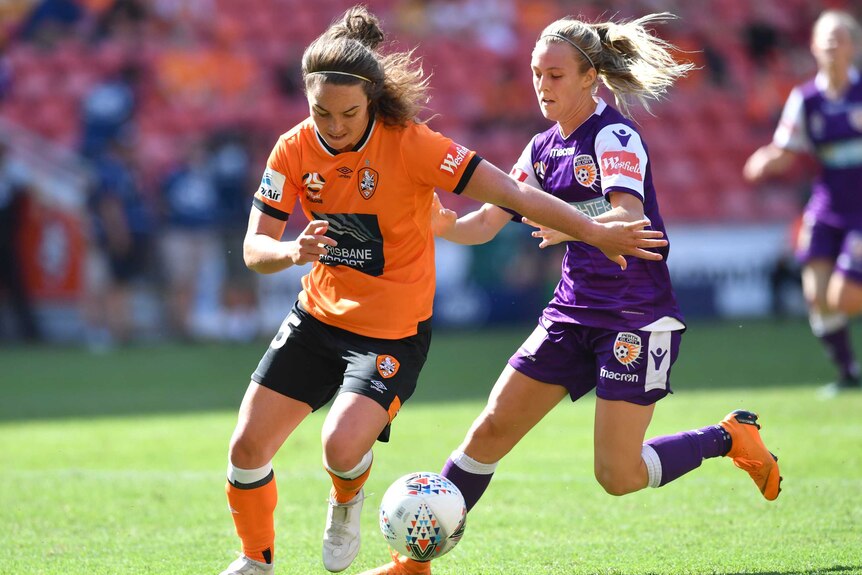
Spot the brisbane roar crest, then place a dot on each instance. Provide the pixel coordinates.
(367, 181)
(387, 366)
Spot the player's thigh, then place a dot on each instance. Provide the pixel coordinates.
(816, 276)
(266, 419)
(620, 428)
(845, 293)
(384, 371)
(516, 404)
(353, 424)
(303, 362)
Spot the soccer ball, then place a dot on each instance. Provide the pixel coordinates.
(422, 515)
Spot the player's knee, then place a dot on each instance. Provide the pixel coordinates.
(488, 432)
(339, 453)
(614, 480)
(247, 453)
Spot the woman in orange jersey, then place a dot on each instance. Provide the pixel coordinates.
(364, 172)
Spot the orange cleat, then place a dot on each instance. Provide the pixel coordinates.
(401, 565)
(750, 454)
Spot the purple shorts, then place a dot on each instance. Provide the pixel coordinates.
(818, 240)
(631, 366)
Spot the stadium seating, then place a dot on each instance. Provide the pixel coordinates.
(699, 137)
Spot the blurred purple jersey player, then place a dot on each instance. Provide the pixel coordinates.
(614, 330)
(823, 118)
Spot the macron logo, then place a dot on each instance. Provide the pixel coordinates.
(454, 156)
(623, 137)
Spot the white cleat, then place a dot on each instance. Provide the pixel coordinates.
(341, 536)
(246, 566)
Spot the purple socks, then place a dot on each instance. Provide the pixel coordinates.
(672, 456)
(837, 344)
(470, 476)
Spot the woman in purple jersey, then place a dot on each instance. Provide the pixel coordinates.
(612, 330)
(823, 117)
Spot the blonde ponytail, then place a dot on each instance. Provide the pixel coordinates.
(631, 61)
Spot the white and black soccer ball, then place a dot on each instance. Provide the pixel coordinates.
(422, 515)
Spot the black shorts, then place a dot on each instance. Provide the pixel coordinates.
(311, 362)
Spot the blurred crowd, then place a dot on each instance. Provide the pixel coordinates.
(167, 109)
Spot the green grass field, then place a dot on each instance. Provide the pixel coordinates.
(114, 464)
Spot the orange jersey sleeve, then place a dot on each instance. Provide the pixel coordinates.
(279, 188)
(437, 161)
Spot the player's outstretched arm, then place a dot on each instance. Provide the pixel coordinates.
(476, 227)
(767, 161)
(614, 239)
(265, 253)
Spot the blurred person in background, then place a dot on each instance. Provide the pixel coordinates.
(122, 228)
(364, 170)
(108, 109)
(13, 187)
(190, 246)
(614, 331)
(52, 20)
(823, 118)
(230, 166)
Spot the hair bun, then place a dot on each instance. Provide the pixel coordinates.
(359, 24)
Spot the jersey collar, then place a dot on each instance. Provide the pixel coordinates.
(600, 108)
(821, 81)
(356, 148)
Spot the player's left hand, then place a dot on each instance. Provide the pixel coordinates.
(617, 239)
(548, 236)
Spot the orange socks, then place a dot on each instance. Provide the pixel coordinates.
(252, 506)
(343, 490)
(346, 485)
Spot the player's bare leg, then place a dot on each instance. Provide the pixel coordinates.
(266, 419)
(349, 432)
(831, 299)
(618, 437)
(516, 404)
(623, 464)
(844, 295)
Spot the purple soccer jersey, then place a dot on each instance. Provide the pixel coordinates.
(604, 154)
(831, 130)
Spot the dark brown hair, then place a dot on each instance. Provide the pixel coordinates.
(395, 83)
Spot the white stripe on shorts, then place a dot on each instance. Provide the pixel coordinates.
(658, 360)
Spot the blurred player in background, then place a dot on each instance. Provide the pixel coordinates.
(823, 118)
(13, 190)
(615, 331)
(364, 172)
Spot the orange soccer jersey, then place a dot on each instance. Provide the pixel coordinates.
(379, 280)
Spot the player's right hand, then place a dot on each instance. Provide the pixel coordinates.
(442, 218)
(311, 244)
